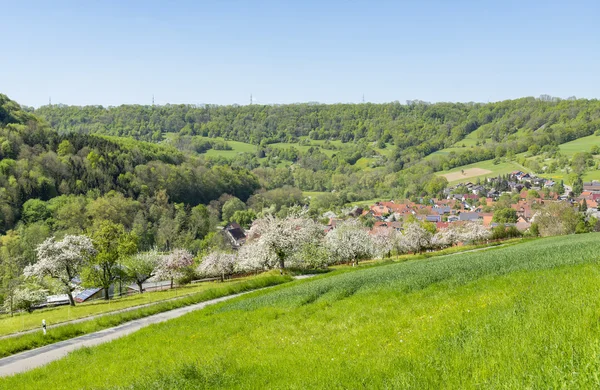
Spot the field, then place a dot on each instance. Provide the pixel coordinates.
(19, 343)
(481, 170)
(583, 144)
(466, 173)
(26, 321)
(524, 316)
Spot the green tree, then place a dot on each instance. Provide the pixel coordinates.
(230, 207)
(35, 210)
(505, 215)
(113, 245)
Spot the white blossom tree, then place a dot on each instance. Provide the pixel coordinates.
(273, 240)
(218, 264)
(384, 241)
(173, 265)
(349, 242)
(416, 238)
(141, 267)
(473, 232)
(62, 260)
(446, 237)
(25, 298)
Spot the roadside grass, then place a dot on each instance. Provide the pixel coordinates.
(26, 321)
(12, 345)
(522, 316)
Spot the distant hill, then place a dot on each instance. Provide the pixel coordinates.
(36, 162)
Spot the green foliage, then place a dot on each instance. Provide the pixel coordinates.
(505, 215)
(243, 217)
(230, 207)
(465, 313)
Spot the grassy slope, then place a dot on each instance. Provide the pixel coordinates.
(516, 317)
(12, 345)
(26, 321)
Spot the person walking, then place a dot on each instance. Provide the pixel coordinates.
(44, 326)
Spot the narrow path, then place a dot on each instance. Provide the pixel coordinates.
(34, 358)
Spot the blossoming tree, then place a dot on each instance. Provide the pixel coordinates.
(350, 242)
(173, 265)
(218, 264)
(273, 240)
(62, 260)
(141, 267)
(416, 238)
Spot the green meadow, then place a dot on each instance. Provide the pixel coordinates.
(19, 343)
(521, 316)
(56, 315)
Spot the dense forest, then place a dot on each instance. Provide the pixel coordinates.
(408, 132)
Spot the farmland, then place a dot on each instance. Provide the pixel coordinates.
(498, 318)
(480, 170)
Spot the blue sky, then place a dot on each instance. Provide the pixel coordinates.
(116, 52)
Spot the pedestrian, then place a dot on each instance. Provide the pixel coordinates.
(44, 326)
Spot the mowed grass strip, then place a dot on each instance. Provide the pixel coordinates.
(524, 316)
(16, 344)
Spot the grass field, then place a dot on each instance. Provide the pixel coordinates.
(488, 165)
(524, 316)
(26, 321)
(236, 148)
(12, 345)
(583, 144)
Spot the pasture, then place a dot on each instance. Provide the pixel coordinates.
(523, 316)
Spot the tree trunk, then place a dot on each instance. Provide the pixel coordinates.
(281, 266)
(171, 283)
(223, 276)
(140, 287)
(71, 300)
(106, 296)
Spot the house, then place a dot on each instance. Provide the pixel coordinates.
(468, 217)
(90, 294)
(433, 218)
(235, 234)
(441, 210)
(57, 300)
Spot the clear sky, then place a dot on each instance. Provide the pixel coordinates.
(114, 52)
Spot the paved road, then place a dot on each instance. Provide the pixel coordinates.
(38, 357)
(91, 317)
(28, 360)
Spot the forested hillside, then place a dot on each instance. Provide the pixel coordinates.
(416, 129)
(38, 163)
(359, 150)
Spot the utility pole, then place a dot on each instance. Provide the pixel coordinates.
(152, 100)
(250, 99)
(50, 101)
(363, 99)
